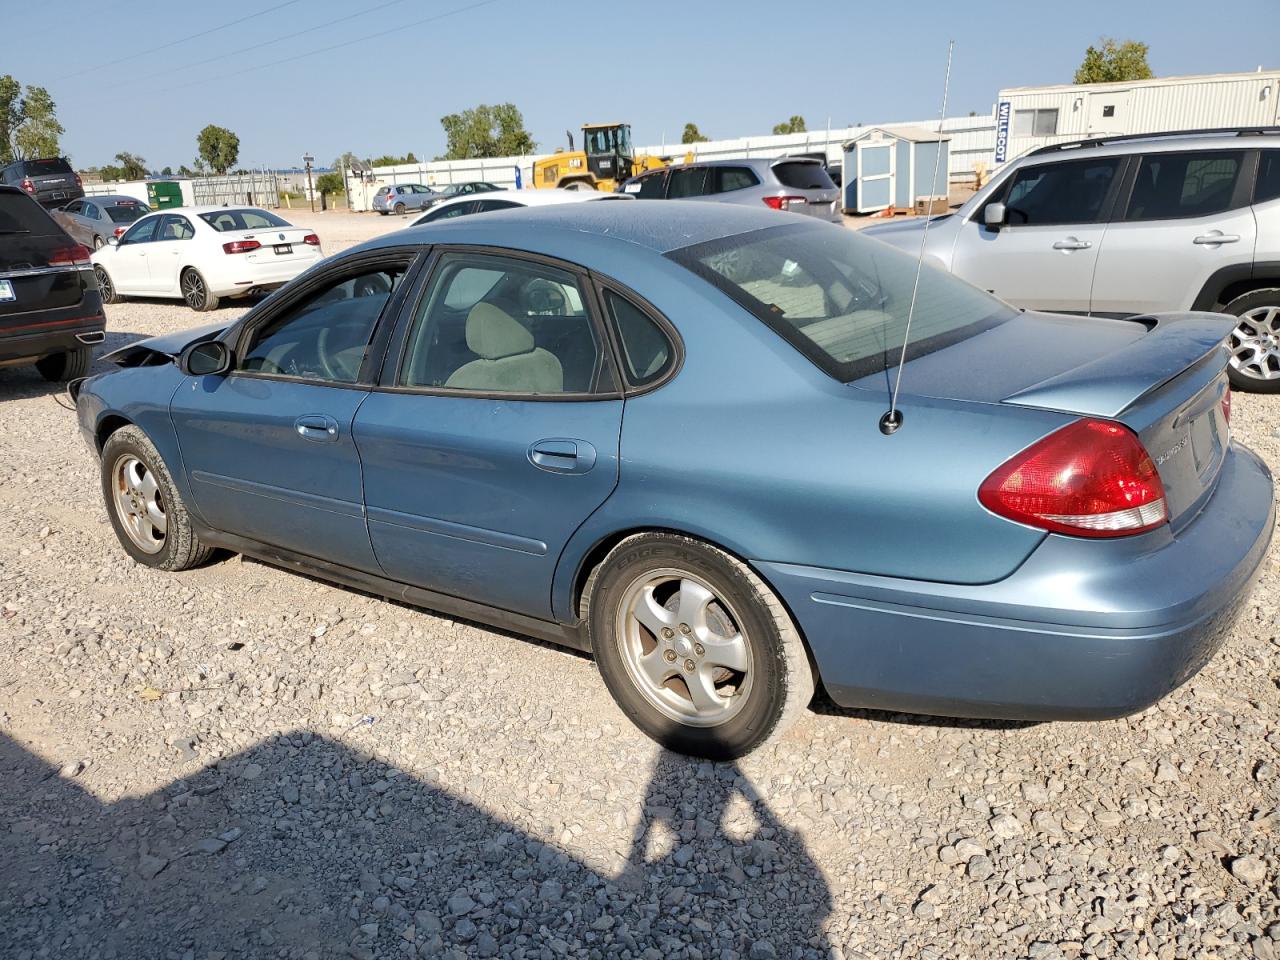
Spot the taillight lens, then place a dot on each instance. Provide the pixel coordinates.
(240, 246)
(28, 185)
(1226, 405)
(119, 231)
(312, 239)
(1092, 478)
(780, 203)
(73, 256)
(79, 182)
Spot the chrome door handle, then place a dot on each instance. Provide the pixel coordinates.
(1071, 243)
(1217, 238)
(317, 427)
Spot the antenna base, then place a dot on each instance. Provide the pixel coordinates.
(891, 422)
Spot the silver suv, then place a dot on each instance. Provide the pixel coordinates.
(793, 184)
(1130, 225)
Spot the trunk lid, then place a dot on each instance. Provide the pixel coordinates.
(1162, 376)
(279, 244)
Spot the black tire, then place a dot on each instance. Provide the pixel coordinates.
(181, 548)
(382, 213)
(399, 209)
(106, 289)
(67, 365)
(195, 291)
(1265, 305)
(781, 681)
(98, 243)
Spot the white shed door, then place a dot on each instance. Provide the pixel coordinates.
(876, 163)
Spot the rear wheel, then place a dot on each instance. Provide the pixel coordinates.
(695, 648)
(1255, 341)
(146, 512)
(399, 208)
(196, 291)
(68, 365)
(106, 289)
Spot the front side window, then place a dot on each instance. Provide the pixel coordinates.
(326, 336)
(76, 206)
(1171, 185)
(1072, 191)
(687, 182)
(492, 324)
(90, 211)
(144, 231)
(247, 219)
(842, 299)
(651, 186)
(1268, 185)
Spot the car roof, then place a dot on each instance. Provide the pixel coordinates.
(108, 197)
(647, 225)
(213, 208)
(1153, 143)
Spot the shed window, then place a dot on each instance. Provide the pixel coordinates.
(1042, 122)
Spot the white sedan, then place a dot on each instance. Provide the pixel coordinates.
(201, 254)
(506, 199)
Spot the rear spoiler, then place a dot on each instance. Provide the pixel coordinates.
(1174, 344)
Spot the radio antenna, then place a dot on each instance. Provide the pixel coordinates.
(892, 419)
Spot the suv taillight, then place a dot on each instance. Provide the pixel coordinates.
(780, 203)
(79, 182)
(240, 246)
(28, 185)
(1092, 478)
(311, 239)
(76, 255)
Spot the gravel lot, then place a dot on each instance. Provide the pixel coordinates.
(242, 762)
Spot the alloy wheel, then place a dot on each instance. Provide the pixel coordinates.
(193, 290)
(1255, 343)
(104, 284)
(138, 503)
(683, 648)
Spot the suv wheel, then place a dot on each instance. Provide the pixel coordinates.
(67, 365)
(1255, 341)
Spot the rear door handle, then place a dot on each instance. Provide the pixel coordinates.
(559, 455)
(1214, 238)
(1071, 243)
(317, 427)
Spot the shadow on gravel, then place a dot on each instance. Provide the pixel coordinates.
(822, 704)
(25, 383)
(304, 848)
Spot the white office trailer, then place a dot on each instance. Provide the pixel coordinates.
(1030, 117)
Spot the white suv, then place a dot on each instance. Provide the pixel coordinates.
(1130, 225)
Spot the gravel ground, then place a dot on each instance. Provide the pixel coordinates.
(242, 762)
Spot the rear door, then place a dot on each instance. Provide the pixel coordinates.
(687, 183)
(38, 270)
(1044, 256)
(1187, 216)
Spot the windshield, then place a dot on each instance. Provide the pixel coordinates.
(841, 299)
(224, 220)
(127, 212)
(605, 140)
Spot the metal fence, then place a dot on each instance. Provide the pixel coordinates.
(258, 188)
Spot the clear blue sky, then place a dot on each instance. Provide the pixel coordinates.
(734, 68)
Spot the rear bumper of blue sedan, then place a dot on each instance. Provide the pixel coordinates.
(1084, 629)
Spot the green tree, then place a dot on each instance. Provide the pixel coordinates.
(185, 171)
(1112, 61)
(486, 131)
(330, 183)
(133, 167)
(218, 148)
(387, 160)
(794, 125)
(692, 134)
(28, 122)
(167, 172)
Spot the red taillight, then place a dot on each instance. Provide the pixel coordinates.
(1092, 478)
(1226, 405)
(312, 239)
(28, 185)
(240, 246)
(79, 182)
(780, 203)
(73, 256)
(119, 231)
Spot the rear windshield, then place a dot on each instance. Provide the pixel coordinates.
(842, 299)
(127, 212)
(224, 220)
(20, 214)
(45, 168)
(803, 176)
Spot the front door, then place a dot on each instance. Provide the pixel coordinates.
(1044, 255)
(268, 449)
(495, 434)
(127, 264)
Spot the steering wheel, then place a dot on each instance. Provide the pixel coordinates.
(543, 298)
(330, 363)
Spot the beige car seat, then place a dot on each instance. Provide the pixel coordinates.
(509, 361)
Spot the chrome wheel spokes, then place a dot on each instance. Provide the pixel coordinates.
(1255, 343)
(138, 503)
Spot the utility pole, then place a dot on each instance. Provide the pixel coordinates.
(307, 159)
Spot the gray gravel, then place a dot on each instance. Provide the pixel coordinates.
(240, 762)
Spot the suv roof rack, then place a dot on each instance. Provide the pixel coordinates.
(1105, 141)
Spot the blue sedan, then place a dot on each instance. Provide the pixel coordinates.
(664, 440)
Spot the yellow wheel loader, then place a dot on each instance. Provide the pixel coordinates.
(606, 159)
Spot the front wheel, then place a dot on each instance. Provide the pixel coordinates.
(1255, 341)
(196, 291)
(146, 512)
(695, 648)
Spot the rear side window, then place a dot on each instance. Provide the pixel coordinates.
(1268, 185)
(1172, 185)
(1055, 193)
(687, 182)
(20, 214)
(803, 176)
(647, 353)
(725, 179)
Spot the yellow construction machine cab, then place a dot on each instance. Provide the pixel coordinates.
(608, 150)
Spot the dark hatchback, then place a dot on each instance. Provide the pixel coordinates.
(50, 311)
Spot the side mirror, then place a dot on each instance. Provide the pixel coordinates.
(210, 358)
(993, 215)
(113, 241)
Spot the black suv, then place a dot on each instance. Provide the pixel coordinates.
(50, 180)
(50, 310)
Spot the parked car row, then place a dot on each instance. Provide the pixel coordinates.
(400, 198)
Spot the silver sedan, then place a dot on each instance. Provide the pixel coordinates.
(95, 220)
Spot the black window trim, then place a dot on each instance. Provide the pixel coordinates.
(605, 284)
(1257, 170)
(237, 336)
(1241, 192)
(394, 356)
